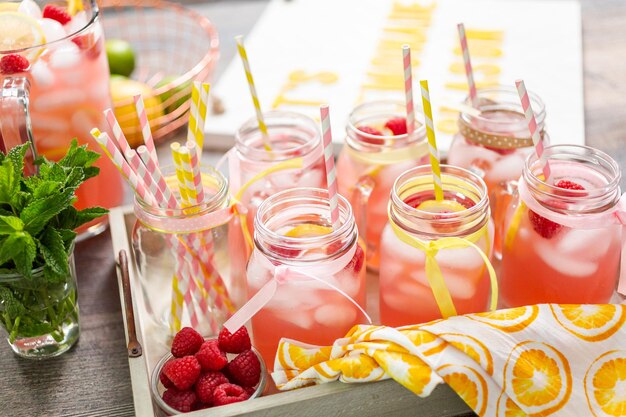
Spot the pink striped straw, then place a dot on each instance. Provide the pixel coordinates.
(145, 127)
(155, 171)
(329, 158)
(137, 165)
(118, 135)
(195, 169)
(534, 132)
(408, 88)
(468, 66)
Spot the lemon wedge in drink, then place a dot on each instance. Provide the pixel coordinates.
(19, 31)
(443, 206)
(7, 6)
(74, 6)
(308, 230)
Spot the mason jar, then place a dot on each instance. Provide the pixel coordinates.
(436, 253)
(370, 162)
(563, 240)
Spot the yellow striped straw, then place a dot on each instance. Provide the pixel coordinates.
(185, 162)
(192, 125)
(200, 123)
(177, 306)
(432, 142)
(180, 174)
(255, 97)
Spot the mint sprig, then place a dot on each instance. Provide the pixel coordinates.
(37, 222)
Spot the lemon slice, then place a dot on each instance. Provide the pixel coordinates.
(6, 6)
(308, 230)
(19, 31)
(74, 6)
(433, 206)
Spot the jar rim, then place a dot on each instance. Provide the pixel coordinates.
(271, 118)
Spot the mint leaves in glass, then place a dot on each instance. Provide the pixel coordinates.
(38, 297)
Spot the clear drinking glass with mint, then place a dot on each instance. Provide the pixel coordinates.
(38, 296)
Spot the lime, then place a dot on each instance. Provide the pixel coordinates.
(182, 93)
(19, 31)
(121, 57)
(122, 92)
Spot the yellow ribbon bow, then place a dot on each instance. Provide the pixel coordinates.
(433, 271)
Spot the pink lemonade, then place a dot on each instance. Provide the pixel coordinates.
(377, 150)
(405, 294)
(69, 89)
(291, 136)
(547, 262)
(292, 230)
(495, 143)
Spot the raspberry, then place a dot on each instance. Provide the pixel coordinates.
(186, 342)
(164, 379)
(249, 390)
(58, 13)
(397, 125)
(569, 185)
(228, 394)
(371, 131)
(356, 263)
(13, 63)
(183, 401)
(183, 372)
(207, 383)
(245, 369)
(547, 228)
(236, 342)
(210, 357)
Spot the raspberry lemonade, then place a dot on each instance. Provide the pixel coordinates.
(377, 150)
(562, 242)
(320, 271)
(53, 58)
(495, 142)
(406, 296)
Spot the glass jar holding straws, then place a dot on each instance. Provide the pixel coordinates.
(180, 238)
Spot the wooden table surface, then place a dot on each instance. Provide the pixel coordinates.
(93, 378)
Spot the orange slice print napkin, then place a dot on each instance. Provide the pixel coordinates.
(549, 359)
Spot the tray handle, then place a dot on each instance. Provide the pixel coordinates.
(134, 347)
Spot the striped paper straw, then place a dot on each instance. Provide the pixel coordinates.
(157, 174)
(118, 135)
(192, 126)
(202, 110)
(432, 142)
(146, 132)
(255, 97)
(534, 132)
(182, 186)
(329, 158)
(408, 89)
(468, 66)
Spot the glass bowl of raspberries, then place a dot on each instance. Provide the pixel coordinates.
(201, 373)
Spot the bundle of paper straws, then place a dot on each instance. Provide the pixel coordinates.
(196, 282)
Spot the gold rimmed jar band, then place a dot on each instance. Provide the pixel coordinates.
(493, 140)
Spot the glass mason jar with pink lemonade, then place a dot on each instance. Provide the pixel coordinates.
(562, 241)
(318, 273)
(436, 254)
(494, 141)
(54, 85)
(377, 150)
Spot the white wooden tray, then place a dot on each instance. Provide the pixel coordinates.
(385, 398)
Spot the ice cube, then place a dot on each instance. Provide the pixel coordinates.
(465, 258)
(44, 123)
(347, 282)
(588, 244)
(461, 286)
(398, 250)
(506, 169)
(340, 315)
(284, 179)
(30, 8)
(562, 263)
(57, 100)
(52, 29)
(408, 301)
(41, 74)
(83, 121)
(66, 55)
(78, 22)
(312, 178)
(300, 318)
